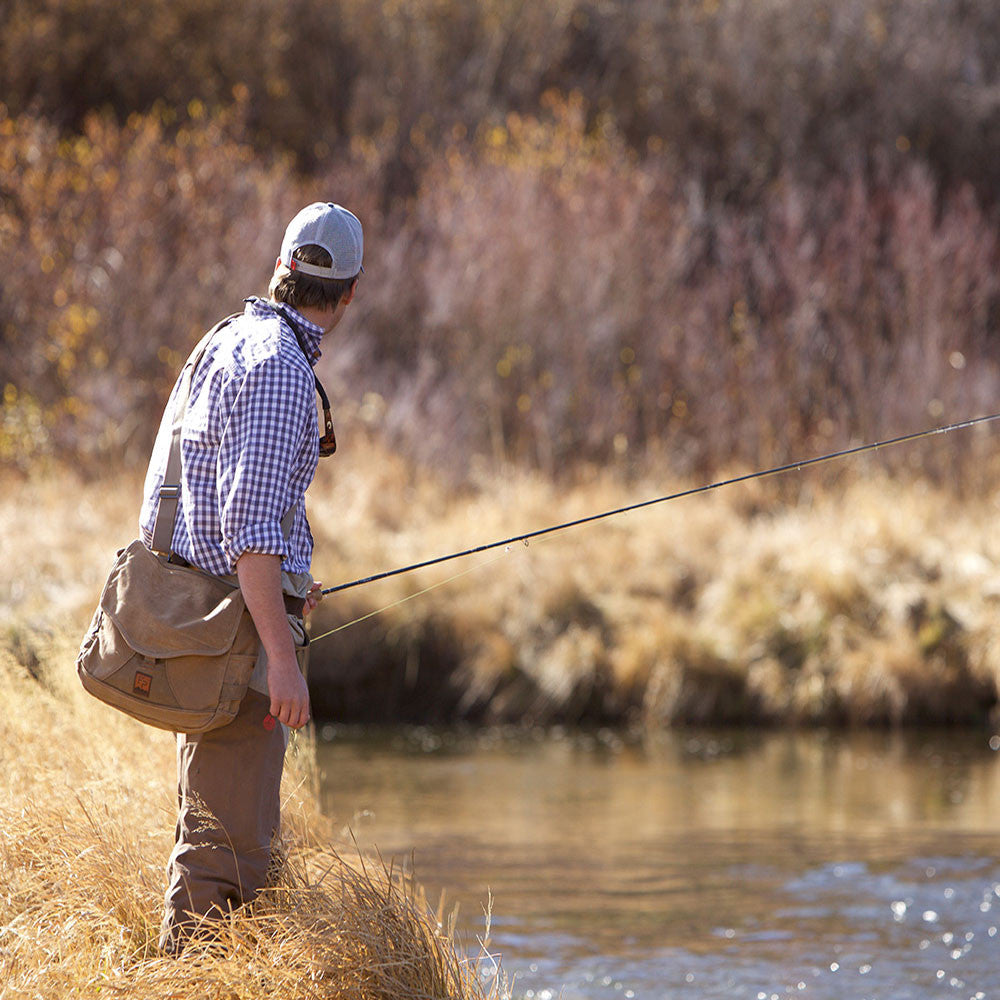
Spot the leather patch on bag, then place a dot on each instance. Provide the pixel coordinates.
(143, 683)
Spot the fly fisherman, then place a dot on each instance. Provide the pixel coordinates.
(249, 450)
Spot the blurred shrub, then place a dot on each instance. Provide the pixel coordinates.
(287, 62)
(730, 231)
(737, 91)
(117, 248)
(550, 299)
(571, 302)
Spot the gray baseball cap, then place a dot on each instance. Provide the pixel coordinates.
(334, 229)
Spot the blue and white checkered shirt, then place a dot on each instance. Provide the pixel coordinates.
(249, 445)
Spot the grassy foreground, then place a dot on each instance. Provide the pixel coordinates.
(87, 809)
(867, 602)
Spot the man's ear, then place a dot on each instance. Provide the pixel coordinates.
(349, 294)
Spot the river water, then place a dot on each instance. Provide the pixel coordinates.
(734, 864)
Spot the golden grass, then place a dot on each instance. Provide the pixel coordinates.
(87, 810)
(873, 603)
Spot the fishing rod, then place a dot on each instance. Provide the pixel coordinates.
(802, 464)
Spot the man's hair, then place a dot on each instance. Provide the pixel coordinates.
(305, 291)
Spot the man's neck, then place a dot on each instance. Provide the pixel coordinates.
(325, 319)
(319, 317)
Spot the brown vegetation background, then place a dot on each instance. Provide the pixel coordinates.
(612, 248)
(690, 235)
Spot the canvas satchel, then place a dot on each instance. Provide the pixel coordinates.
(169, 644)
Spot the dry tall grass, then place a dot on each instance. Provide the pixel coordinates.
(86, 818)
(871, 600)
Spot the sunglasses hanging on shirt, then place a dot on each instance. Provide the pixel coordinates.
(328, 441)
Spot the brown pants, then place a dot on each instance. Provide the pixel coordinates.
(228, 785)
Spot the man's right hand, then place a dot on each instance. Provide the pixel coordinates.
(288, 691)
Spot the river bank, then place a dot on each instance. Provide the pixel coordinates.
(869, 601)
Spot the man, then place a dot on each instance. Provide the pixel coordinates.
(249, 449)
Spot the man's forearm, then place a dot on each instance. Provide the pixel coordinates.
(260, 581)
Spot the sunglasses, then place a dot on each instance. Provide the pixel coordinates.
(328, 442)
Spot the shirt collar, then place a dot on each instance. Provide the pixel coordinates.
(311, 333)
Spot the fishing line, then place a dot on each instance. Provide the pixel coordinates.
(409, 597)
(527, 536)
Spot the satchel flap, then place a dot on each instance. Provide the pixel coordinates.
(164, 610)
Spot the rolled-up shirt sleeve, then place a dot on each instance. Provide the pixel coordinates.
(272, 417)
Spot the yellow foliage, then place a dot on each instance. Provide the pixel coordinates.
(98, 229)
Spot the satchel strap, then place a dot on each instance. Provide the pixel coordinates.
(170, 489)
